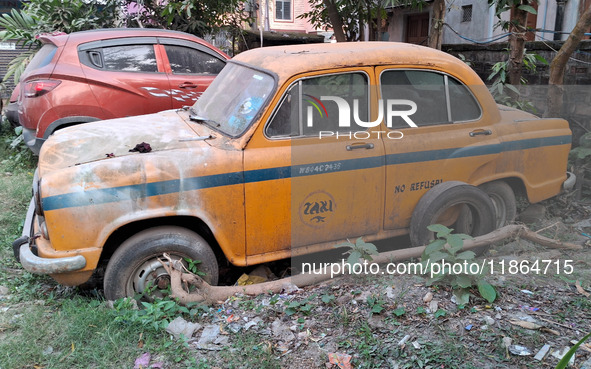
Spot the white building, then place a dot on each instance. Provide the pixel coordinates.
(474, 20)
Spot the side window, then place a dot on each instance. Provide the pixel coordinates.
(463, 105)
(440, 99)
(185, 60)
(426, 89)
(126, 58)
(309, 106)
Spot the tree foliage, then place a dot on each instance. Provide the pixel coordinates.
(198, 17)
(47, 16)
(353, 16)
(517, 27)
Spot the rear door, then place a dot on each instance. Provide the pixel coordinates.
(452, 140)
(190, 67)
(126, 75)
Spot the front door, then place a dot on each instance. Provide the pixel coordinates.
(309, 181)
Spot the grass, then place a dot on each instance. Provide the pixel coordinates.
(74, 333)
(43, 324)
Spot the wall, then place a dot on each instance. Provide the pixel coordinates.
(482, 58)
(577, 99)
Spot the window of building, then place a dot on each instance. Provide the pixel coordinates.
(283, 10)
(466, 13)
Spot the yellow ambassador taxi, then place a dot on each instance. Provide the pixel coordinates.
(289, 151)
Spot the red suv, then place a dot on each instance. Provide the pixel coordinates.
(110, 73)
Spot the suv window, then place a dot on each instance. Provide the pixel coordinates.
(440, 99)
(42, 58)
(185, 60)
(303, 111)
(130, 58)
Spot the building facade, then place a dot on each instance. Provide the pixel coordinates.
(468, 21)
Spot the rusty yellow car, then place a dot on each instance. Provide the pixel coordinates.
(289, 151)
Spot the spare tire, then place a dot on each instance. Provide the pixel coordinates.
(444, 203)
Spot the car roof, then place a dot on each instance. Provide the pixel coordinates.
(60, 38)
(287, 61)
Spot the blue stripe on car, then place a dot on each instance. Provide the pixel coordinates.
(144, 190)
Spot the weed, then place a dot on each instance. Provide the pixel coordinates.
(399, 311)
(304, 306)
(327, 299)
(154, 315)
(437, 251)
(439, 313)
(193, 266)
(375, 303)
(358, 250)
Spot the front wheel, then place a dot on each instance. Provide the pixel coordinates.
(135, 269)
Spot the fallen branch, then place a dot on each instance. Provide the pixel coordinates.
(211, 294)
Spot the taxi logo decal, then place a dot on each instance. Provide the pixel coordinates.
(317, 209)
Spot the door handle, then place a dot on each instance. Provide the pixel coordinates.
(188, 85)
(360, 146)
(481, 132)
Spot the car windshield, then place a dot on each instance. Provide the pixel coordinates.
(233, 100)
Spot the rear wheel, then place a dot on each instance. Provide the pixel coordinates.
(503, 199)
(135, 269)
(451, 203)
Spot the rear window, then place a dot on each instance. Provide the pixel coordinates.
(42, 58)
(121, 58)
(130, 58)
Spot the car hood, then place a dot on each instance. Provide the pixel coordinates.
(106, 139)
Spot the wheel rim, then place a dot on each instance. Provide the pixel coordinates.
(500, 209)
(150, 274)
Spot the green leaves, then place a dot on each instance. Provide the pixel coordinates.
(358, 250)
(563, 363)
(528, 8)
(446, 263)
(486, 290)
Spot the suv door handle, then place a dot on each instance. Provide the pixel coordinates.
(360, 146)
(481, 132)
(188, 85)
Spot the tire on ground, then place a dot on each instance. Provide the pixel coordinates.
(503, 199)
(134, 264)
(444, 197)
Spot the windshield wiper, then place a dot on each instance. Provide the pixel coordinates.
(198, 119)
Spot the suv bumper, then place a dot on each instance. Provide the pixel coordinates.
(32, 141)
(35, 264)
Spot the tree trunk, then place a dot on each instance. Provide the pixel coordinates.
(558, 65)
(517, 44)
(335, 20)
(436, 29)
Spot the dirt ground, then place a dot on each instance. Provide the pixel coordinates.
(397, 321)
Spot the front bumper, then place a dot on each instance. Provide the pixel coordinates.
(22, 248)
